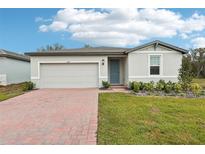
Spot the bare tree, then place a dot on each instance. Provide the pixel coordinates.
(87, 46)
(54, 47)
(198, 61)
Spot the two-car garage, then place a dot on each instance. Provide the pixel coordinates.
(68, 75)
(74, 68)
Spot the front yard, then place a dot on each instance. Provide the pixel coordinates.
(10, 91)
(200, 81)
(129, 119)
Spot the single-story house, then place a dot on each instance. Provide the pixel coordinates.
(88, 67)
(14, 68)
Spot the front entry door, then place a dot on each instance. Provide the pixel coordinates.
(115, 71)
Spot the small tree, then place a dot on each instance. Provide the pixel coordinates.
(185, 73)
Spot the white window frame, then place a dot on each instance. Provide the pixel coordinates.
(160, 66)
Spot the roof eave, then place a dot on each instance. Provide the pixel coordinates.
(72, 53)
(14, 57)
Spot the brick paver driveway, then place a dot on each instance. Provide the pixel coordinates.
(50, 116)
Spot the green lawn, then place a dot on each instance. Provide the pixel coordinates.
(200, 81)
(9, 91)
(128, 119)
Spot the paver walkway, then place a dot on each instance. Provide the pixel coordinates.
(50, 116)
(114, 89)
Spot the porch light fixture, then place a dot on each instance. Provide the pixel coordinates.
(103, 61)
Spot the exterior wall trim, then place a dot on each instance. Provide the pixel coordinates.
(153, 77)
(34, 78)
(152, 52)
(103, 77)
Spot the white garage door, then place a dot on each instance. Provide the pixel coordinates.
(68, 75)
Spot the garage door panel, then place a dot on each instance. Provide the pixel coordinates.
(68, 75)
(75, 69)
(72, 74)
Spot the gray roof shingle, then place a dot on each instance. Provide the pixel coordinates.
(81, 51)
(103, 50)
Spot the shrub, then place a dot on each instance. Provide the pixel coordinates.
(131, 85)
(105, 84)
(195, 88)
(168, 87)
(149, 86)
(170, 83)
(185, 86)
(141, 85)
(182, 94)
(27, 86)
(136, 86)
(162, 81)
(159, 86)
(152, 82)
(31, 85)
(177, 87)
(202, 93)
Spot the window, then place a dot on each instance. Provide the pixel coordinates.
(155, 64)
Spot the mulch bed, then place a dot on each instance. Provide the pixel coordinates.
(172, 94)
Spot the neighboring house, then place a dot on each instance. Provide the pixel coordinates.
(14, 68)
(88, 67)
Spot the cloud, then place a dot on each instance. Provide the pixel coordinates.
(123, 27)
(184, 36)
(195, 23)
(40, 19)
(198, 42)
(55, 26)
(43, 28)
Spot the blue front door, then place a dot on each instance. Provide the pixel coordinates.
(115, 71)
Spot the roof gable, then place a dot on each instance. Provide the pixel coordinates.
(156, 44)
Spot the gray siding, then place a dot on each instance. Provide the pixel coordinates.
(138, 67)
(16, 71)
(2, 65)
(2, 71)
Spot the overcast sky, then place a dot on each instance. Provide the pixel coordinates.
(23, 30)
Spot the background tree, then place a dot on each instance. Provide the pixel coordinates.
(87, 46)
(198, 62)
(54, 47)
